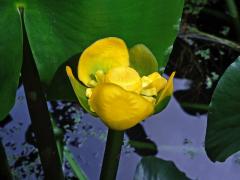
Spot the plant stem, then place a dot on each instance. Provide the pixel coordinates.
(38, 111)
(112, 155)
(59, 137)
(142, 145)
(233, 11)
(74, 166)
(197, 34)
(5, 171)
(202, 107)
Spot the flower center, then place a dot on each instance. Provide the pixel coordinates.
(127, 78)
(97, 78)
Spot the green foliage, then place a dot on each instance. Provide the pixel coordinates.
(203, 53)
(80, 91)
(162, 105)
(194, 6)
(222, 138)
(10, 56)
(152, 168)
(58, 30)
(142, 60)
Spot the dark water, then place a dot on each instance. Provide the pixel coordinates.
(178, 136)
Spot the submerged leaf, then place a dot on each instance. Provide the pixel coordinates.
(152, 168)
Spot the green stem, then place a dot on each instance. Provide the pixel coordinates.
(195, 33)
(5, 171)
(233, 11)
(142, 145)
(38, 111)
(112, 155)
(59, 136)
(74, 165)
(202, 107)
(65, 153)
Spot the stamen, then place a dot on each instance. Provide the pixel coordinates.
(150, 99)
(90, 106)
(149, 92)
(154, 80)
(92, 83)
(99, 76)
(145, 81)
(89, 92)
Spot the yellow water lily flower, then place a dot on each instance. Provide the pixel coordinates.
(120, 86)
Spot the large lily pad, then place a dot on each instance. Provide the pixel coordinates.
(10, 56)
(152, 168)
(58, 30)
(222, 138)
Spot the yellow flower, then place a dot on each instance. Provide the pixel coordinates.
(120, 86)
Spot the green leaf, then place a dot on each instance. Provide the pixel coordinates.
(142, 60)
(60, 85)
(10, 56)
(79, 90)
(152, 168)
(165, 95)
(161, 105)
(223, 127)
(58, 30)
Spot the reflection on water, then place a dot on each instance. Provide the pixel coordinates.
(178, 136)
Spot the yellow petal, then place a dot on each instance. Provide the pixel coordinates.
(165, 95)
(168, 89)
(103, 55)
(154, 80)
(149, 92)
(79, 90)
(158, 81)
(150, 99)
(125, 77)
(118, 108)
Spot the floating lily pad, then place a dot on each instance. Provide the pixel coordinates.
(57, 30)
(10, 56)
(222, 138)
